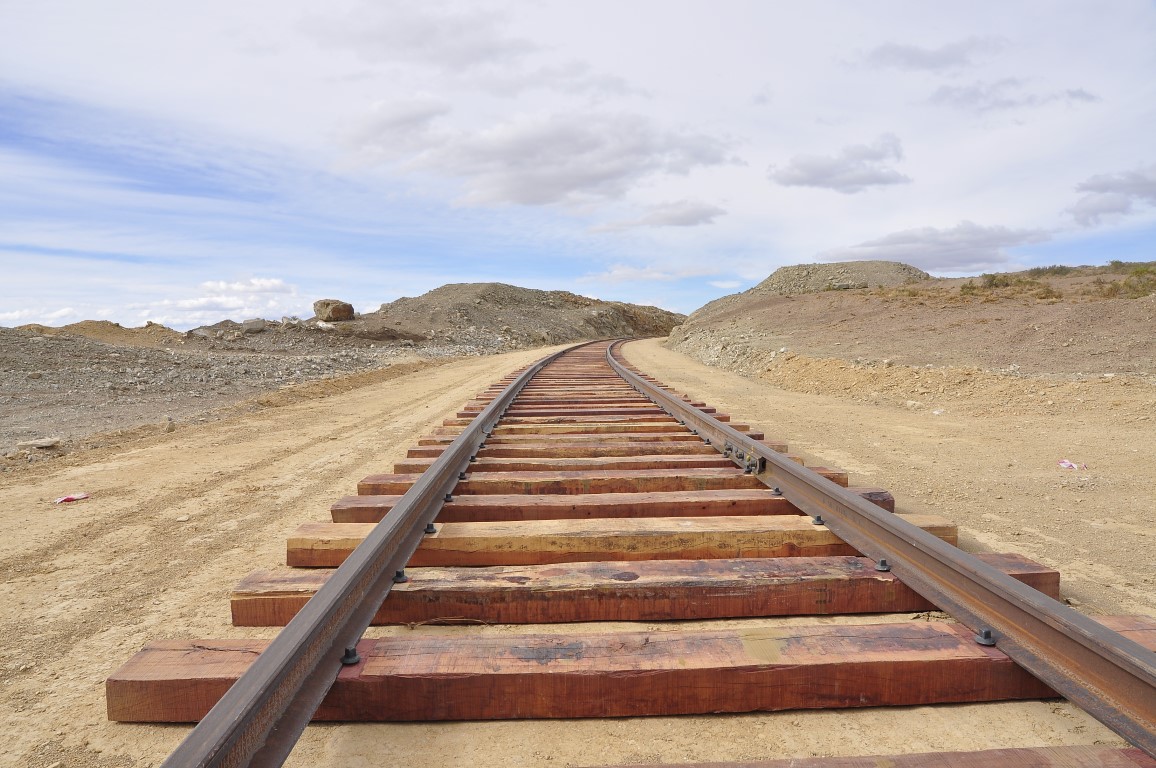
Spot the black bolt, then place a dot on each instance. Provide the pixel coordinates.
(461, 475)
(429, 528)
(350, 657)
(776, 492)
(449, 497)
(817, 520)
(706, 440)
(473, 458)
(399, 577)
(883, 565)
(985, 637)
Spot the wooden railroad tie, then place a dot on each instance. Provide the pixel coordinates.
(568, 541)
(648, 590)
(492, 507)
(614, 674)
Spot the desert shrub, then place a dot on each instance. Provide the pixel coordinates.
(1047, 292)
(1129, 267)
(969, 289)
(1056, 270)
(1105, 289)
(991, 282)
(1142, 282)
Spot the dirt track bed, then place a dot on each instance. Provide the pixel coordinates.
(86, 584)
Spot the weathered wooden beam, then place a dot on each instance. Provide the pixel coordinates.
(655, 417)
(493, 507)
(680, 435)
(419, 676)
(593, 428)
(555, 463)
(574, 450)
(577, 481)
(653, 590)
(566, 541)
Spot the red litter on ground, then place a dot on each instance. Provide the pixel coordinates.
(71, 497)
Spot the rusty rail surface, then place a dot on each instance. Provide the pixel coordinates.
(260, 718)
(1107, 675)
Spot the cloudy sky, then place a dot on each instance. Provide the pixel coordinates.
(184, 162)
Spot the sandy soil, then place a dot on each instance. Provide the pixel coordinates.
(175, 519)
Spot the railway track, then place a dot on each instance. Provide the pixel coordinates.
(579, 490)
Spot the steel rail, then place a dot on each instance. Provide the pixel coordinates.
(1106, 674)
(259, 719)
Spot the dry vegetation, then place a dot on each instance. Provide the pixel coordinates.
(1119, 279)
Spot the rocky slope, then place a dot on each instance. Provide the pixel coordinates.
(96, 376)
(496, 316)
(812, 278)
(930, 341)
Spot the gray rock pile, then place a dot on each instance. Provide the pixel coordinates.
(73, 385)
(839, 276)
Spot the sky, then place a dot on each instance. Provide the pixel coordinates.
(183, 162)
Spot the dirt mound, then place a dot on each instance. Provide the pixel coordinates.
(455, 319)
(149, 335)
(499, 316)
(814, 278)
(839, 276)
(1069, 323)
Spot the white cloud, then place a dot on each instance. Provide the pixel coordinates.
(1090, 210)
(270, 298)
(430, 33)
(547, 159)
(252, 285)
(627, 273)
(471, 46)
(393, 128)
(964, 248)
(1006, 94)
(951, 56)
(852, 170)
(37, 315)
(574, 77)
(684, 213)
(726, 285)
(1114, 194)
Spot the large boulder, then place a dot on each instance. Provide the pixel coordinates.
(332, 310)
(255, 325)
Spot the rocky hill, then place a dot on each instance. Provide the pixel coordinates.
(1050, 321)
(835, 276)
(496, 315)
(96, 376)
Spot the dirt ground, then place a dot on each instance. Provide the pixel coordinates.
(176, 519)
